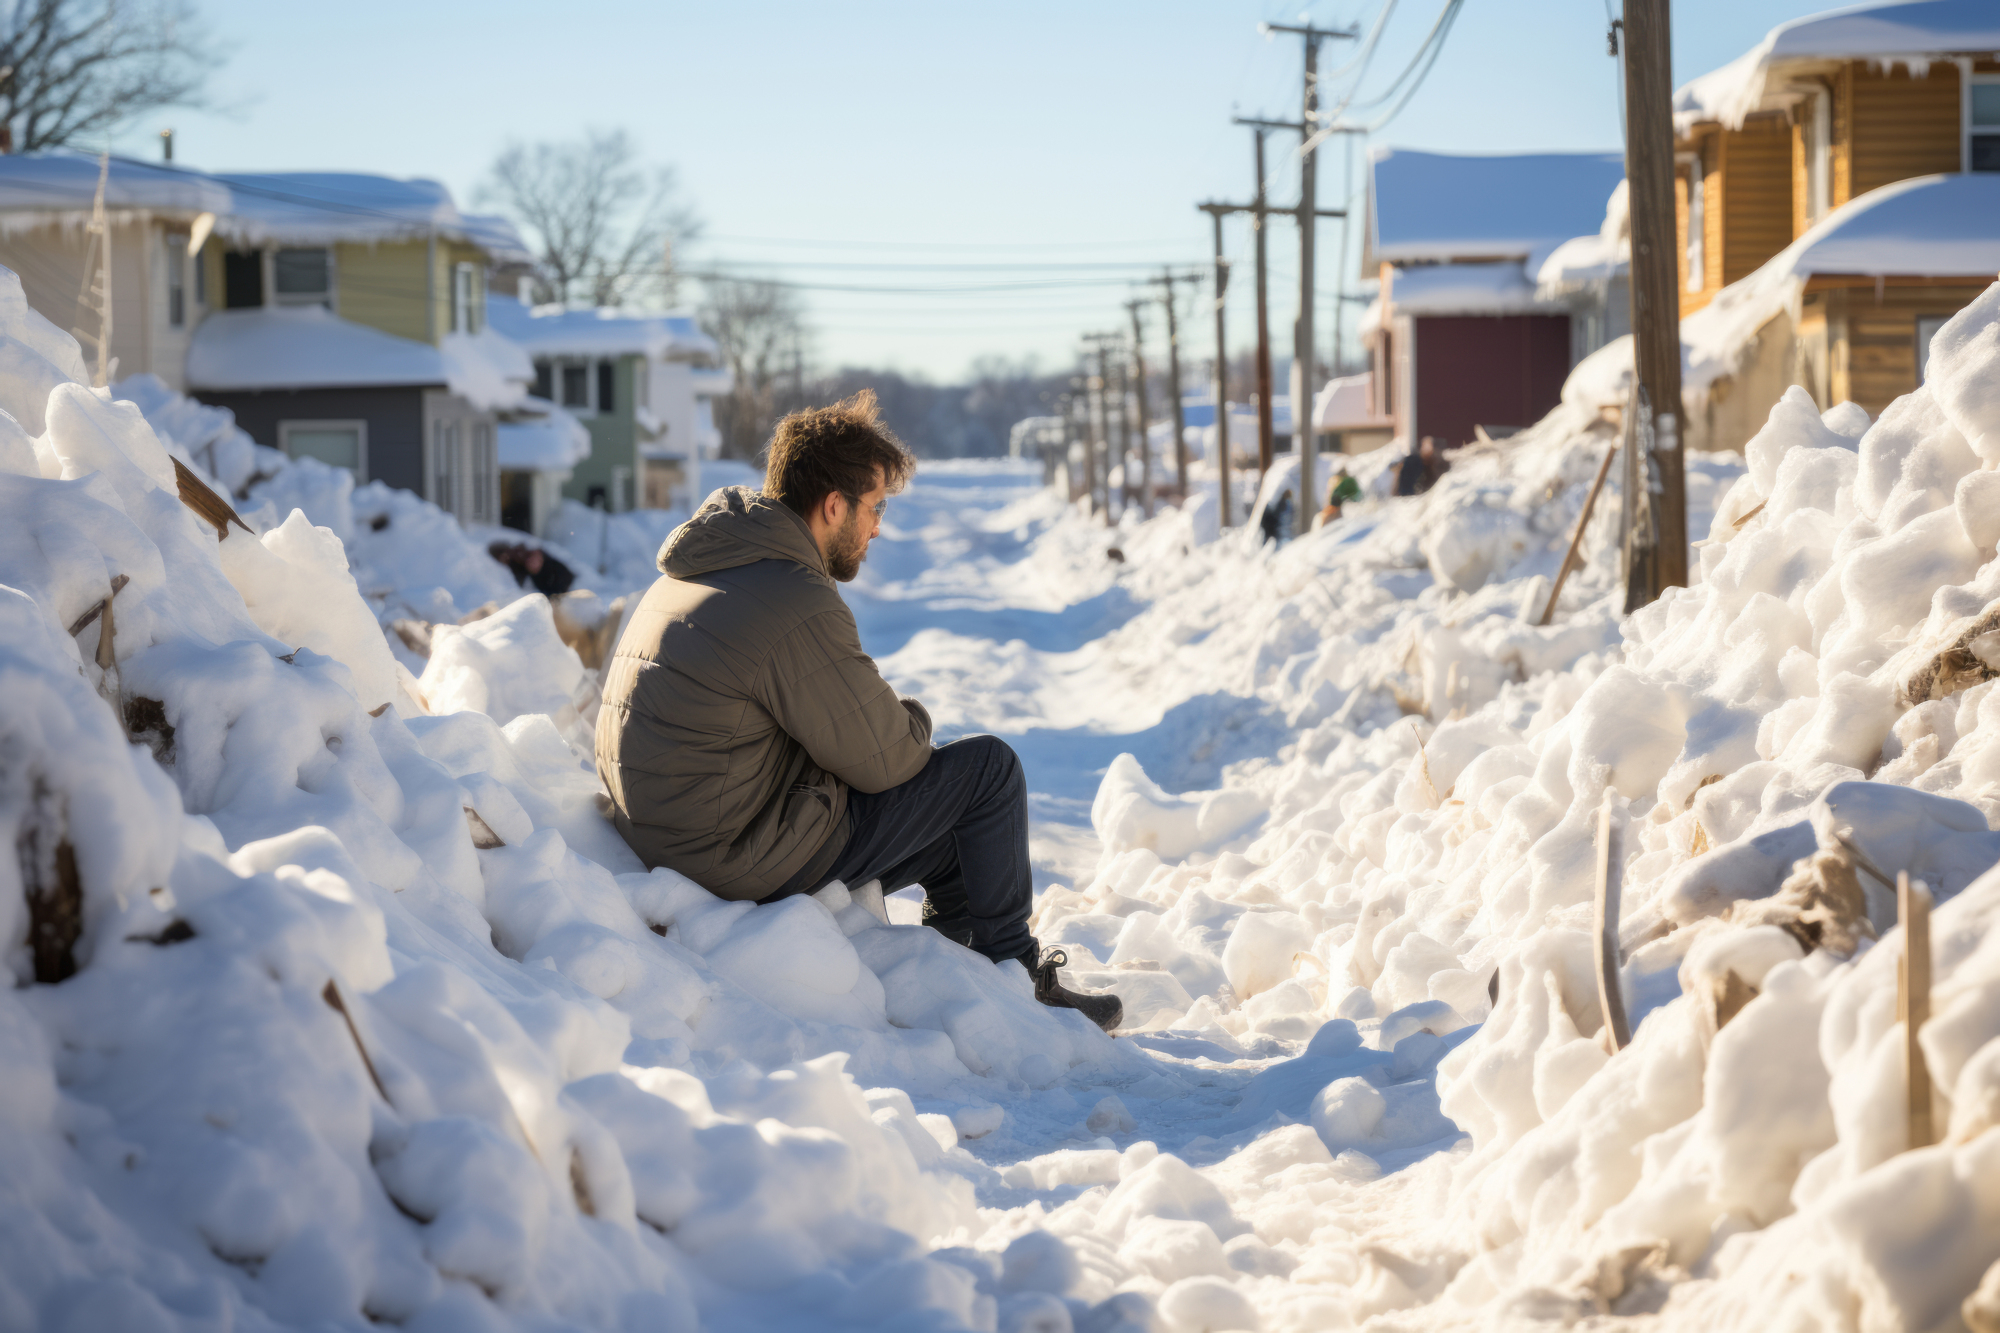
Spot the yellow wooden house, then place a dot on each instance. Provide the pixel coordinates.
(1819, 114)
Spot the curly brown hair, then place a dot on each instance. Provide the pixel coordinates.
(827, 450)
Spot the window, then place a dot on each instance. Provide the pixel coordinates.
(1982, 123)
(445, 472)
(607, 386)
(201, 276)
(1815, 143)
(176, 265)
(576, 387)
(464, 299)
(243, 279)
(335, 443)
(484, 484)
(303, 277)
(1697, 259)
(1927, 327)
(545, 381)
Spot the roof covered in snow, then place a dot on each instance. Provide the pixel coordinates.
(545, 439)
(310, 347)
(63, 182)
(498, 237)
(1909, 34)
(552, 330)
(1462, 289)
(254, 208)
(321, 207)
(1594, 258)
(1346, 404)
(1445, 206)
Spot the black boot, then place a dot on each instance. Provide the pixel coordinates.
(1104, 1010)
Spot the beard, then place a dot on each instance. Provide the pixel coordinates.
(847, 550)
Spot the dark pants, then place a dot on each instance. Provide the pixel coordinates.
(960, 829)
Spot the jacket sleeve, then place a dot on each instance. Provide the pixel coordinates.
(828, 696)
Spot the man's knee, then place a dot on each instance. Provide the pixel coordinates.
(997, 757)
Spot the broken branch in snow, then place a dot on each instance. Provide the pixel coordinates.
(483, 836)
(1610, 870)
(209, 506)
(1913, 1000)
(332, 997)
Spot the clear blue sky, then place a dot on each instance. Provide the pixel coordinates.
(915, 134)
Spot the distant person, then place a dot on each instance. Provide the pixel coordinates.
(1339, 491)
(531, 564)
(1421, 468)
(747, 742)
(1276, 520)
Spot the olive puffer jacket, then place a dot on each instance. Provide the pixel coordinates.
(739, 707)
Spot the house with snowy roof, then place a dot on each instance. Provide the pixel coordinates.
(339, 316)
(644, 387)
(1459, 335)
(1781, 156)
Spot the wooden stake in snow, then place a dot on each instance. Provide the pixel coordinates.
(1610, 870)
(334, 1002)
(1913, 1000)
(1576, 540)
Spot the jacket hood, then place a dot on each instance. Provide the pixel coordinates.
(738, 526)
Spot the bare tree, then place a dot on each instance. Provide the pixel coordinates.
(761, 330)
(76, 69)
(602, 221)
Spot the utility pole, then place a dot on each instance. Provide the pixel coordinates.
(1124, 437)
(1167, 279)
(1258, 211)
(1656, 497)
(1302, 343)
(1215, 213)
(1101, 422)
(1145, 439)
(1257, 227)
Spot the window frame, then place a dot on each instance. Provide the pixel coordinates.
(465, 298)
(300, 300)
(1695, 252)
(356, 424)
(1817, 137)
(586, 406)
(177, 279)
(1923, 343)
(1967, 81)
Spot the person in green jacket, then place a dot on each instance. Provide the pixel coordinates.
(1342, 489)
(746, 741)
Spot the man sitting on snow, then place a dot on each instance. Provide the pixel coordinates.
(748, 743)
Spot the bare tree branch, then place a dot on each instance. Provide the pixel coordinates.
(77, 69)
(600, 220)
(759, 326)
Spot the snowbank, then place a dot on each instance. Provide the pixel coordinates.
(382, 1020)
(1814, 714)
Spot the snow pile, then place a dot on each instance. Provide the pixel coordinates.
(1774, 743)
(366, 1014)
